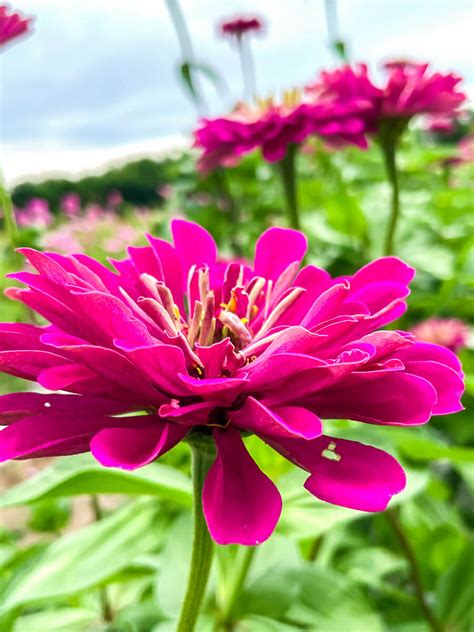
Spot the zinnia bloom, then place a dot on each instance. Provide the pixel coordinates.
(12, 25)
(410, 89)
(271, 127)
(199, 345)
(448, 332)
(241, 25)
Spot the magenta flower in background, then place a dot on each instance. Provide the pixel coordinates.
(199, 345)
(114, 199)
(12, 25)
(36, 214)
(241, 25)
(71, 204)
(410, 89)
(451, 333)
(272, 127)
(441, 125)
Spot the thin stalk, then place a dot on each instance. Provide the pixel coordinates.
(237, 585)
(187, 51)
(106, 607)
(394, 520)
(389, 151)
(248, 68)
(201, 559)
(287, 170)
(11, 227)
(336, 44)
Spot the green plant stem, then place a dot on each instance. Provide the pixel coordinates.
(237, 584)
(8, 216)
(106, 607)
(248, 68)
(389, 151)
(187, 51)
(202, 457)
(405, 545)
(287, 170)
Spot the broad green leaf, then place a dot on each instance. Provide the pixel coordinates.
(72, 476)
(90, 556)
(455, 592)
(57, 620)
(331, 602)
(172, 577)
(255, 623)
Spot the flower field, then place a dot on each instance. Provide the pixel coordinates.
(237, 381)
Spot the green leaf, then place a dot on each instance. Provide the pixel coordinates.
(256, 623)
(77, 475)
(172, 578)
(455, 592)
(57, 620)
(87, 558)
(331, 602)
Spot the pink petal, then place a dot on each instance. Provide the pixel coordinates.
(276, 249)
(393, 398)
(193, 244)
(53, 434)
(364, 478)
(241, 504)
(345, 473)
(286, 421)
(130, 448)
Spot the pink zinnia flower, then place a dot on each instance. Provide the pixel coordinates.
(12, 25)
(36, 214)
(205, 347)
(240, 26)
(410, 89)
(71, 204)
(271, 127)
(448, 332)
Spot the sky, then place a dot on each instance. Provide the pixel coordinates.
(97, 81)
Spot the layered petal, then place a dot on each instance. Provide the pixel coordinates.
(241, 504)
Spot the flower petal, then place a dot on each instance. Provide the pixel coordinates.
(241, 504)
(130, 448)
(286, 421)
(345, 473)
(276, 249)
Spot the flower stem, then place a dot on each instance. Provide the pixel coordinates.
(394, 520)
(248, 68)
(202, 457)
(238, 584)
(287, 169)
(389, 151)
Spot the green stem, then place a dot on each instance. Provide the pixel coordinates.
(394, 520)
(202, 458)
(389, 151)
(248, 68)
(8, 216)
(287, 170)
(237, 585)
(187, 52)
